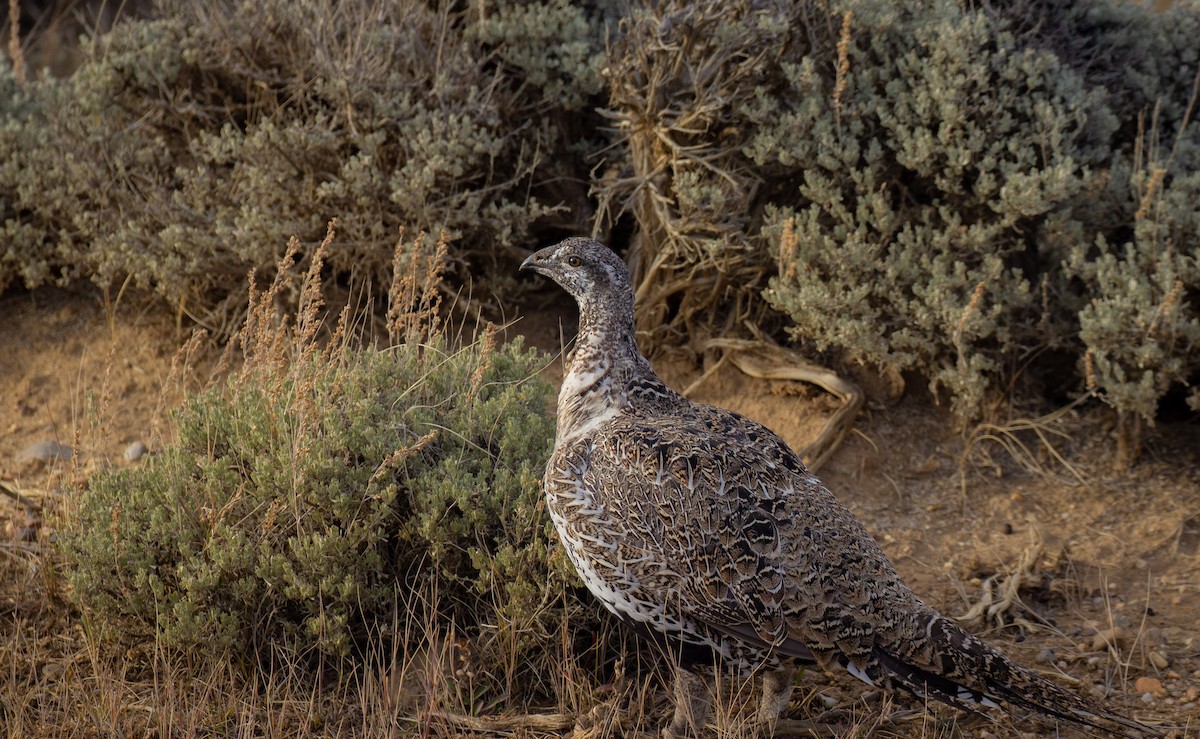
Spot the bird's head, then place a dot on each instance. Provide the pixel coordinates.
(586, 269)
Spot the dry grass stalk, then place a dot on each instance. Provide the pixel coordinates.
(415, 293)
(788, 245)
(15, 53)
(1152, 186)
(972, 306)
(1001, 591)
(1166, 308)
(843, 61)
(393, 460)
(1008, 436)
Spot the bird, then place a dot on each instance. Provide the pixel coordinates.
(704, 532)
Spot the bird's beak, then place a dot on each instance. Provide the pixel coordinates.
(533, 262)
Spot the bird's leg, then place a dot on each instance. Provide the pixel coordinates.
(692, 699)
(776, 692)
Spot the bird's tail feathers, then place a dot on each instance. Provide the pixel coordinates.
(943, 662)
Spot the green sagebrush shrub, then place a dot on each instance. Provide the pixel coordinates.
(950, 191)
(931, 163)
(313, 493)
(187, 146)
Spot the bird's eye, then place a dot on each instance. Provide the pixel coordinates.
(574, 261)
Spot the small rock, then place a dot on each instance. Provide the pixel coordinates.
(1147, 697)
(1115, 637)
(1159, 660)
(1148, 685)
(44, 451)
(1047, 656)
(134, 451)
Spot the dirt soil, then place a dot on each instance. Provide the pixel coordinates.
(1110, 564)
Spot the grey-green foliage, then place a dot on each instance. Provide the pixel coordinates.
(302, 502)
(186, 148)
(1135, 257)
(953, 190)
(1141, 328)
(551, 46)
(923, 189)
(965, 198)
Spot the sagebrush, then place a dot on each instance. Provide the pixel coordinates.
(326, 485)
(978, 195)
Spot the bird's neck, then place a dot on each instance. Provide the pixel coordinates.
(601, 367)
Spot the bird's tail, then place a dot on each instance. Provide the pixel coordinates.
(936, 659)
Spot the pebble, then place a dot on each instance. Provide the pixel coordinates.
(1147, 697)
(1148, 685)
(1115, 637)
(1047, 656)
(134, 451)
(1159, 660)
(45, 451)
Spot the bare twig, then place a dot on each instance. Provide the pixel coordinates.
(11, 491)
(772, 362)
(529, 722)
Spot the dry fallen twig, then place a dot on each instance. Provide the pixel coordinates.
(11, 491)
(528, 722)
(767, 361)
(1001, 591)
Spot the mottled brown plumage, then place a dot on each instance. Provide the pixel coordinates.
(705, 532)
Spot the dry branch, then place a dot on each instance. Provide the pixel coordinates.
(528, 722)
(10, 490)
(771, 362)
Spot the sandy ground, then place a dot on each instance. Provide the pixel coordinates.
(1110, 565)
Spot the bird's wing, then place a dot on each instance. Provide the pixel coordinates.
(763, 553)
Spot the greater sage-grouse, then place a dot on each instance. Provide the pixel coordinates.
(705, 532)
